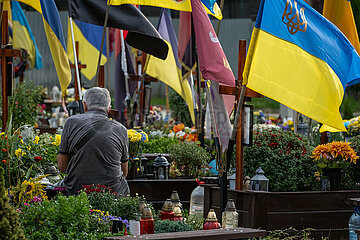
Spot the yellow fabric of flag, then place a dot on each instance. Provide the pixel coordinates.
(339, 12)
(168, 72)
(180, 5)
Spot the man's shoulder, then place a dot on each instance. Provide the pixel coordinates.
(117, 125)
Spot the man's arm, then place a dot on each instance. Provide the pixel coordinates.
(124, 168)
(63, 160)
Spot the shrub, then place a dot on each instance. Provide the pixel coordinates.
(352, 181)
(103, 198)
(158, 145)
(9, 219)
(179, 109)
(188, 158)
(65, 218)
(171, 226)
(23, 104)
(285, 159)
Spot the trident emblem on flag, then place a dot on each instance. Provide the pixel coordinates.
(292, 18)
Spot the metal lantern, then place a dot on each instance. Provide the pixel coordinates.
(161, 168)
(259, 182)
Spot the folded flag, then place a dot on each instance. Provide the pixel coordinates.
(23, 37)
(142, 34)
(301, 60)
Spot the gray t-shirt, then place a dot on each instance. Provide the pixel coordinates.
(99, 160)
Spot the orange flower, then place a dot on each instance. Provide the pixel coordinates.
(4, 150)
(334, 154)
(4, 161)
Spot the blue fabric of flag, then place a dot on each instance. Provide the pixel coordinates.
(321, 38)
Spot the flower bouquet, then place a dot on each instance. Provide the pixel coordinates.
(334, 155)
(136, 137)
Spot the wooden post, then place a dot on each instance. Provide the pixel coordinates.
(101, 80)
(239, 173)
(5, 53)
(4, 41)
(80, 66)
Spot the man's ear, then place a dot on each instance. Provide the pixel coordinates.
(109, 109)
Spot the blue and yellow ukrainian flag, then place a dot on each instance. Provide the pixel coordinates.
(89, 38)
(23, 37)
(339, 12)
(55, 37)
(301, 60)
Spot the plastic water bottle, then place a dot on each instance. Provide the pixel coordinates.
(197, 201)
(354, 223)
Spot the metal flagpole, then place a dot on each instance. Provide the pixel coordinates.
(126, 74)
(102, 41)
(108, 59)
(76, 66)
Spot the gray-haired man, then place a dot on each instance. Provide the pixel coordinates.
(94, 149)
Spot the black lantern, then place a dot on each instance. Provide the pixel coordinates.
(259, 182)
(161, 168)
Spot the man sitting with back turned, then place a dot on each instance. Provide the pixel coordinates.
(94, 149)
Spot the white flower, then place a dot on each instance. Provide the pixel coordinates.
(180, 134)
(172, 134)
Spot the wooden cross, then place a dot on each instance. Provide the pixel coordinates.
(5, 54)
(101, 79)
(80, 66)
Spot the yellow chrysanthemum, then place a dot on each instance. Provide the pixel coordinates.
(18, 152)
(57, 140)
(36, 140)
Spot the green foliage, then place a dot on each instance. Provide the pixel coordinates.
(23, 104)
(316, 135)
(106, 200)
(291, 234)
(171, 226)
(285, 159)
(195, 221)
(188, 157)
(28, 154)
(179, 109)
(61, 218)
(9, 219)
(346, 108)
(352, 172)
(158, 145)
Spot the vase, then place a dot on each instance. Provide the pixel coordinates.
(334, 178)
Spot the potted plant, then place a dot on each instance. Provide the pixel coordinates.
(333, 157)
(187, 158)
